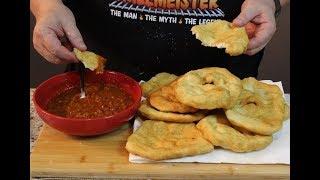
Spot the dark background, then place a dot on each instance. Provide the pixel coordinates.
(275, 64)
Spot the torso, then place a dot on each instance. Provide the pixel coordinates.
(147, 40)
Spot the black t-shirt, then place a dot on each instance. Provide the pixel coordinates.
(144, 37)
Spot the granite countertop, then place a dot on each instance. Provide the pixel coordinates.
(35, 122)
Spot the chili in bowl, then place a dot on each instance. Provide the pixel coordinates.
(111, 100)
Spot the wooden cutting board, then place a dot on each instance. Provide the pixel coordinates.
(58, 155)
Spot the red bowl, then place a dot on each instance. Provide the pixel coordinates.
(85, 127)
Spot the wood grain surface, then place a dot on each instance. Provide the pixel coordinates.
(57, 155)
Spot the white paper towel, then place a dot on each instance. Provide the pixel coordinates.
(278, 152)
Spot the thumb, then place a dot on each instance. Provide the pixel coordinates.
(74, 36)
(246, 15)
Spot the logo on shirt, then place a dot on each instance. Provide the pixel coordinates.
(189, 12)
(176, 4)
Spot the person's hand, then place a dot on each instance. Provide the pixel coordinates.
(54, 21)
(258, 18)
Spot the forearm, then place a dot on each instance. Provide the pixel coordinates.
(37, 7)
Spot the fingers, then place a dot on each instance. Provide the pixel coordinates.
(47, 55)
(261, 38)
(250, 29)
(39, 47)
(263, 33)
(258, 19)
(246, 15)
(74, 36)
(251, 52)
(46, 41)
(54, 46)
(57, 23)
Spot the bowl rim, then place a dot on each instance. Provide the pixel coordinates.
(115, 116)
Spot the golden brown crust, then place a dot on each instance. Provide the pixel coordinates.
(222, 119)
(101, 63)
(159, 80)
(260, 108)
(147, 111)
(91, 60)
(286, 112)
(245, 113)
(164, 100)
(208, 88)
(222, 135)
(222, 34)
(158, 140)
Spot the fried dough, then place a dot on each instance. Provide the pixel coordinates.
(157, 140)
(260, 108)
(91, 60)
(156, 82)
(208, 88)
(164, 100)
(228, 138)
(149, 112)
(222, 34)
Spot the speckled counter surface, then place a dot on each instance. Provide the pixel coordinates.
(35, 122)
